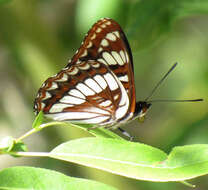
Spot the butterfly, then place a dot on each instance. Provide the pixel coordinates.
(97, 86)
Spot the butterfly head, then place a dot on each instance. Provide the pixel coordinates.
(141, 110)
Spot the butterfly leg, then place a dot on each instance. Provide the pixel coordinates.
(126, 134)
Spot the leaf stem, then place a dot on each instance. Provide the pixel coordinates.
(26, 135)
(187, 184)
(40, 127)
(30, 154)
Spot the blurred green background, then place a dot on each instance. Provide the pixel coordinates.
(37, 37)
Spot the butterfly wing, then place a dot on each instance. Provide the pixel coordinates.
(87, 92)
(106, 43)
(97, 86)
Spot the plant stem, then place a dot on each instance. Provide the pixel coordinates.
(26, 135)
(187, 184)
(31, 154)
(42, 126)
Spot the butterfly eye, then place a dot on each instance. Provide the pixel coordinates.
(141, 109)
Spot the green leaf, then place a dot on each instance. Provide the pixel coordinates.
(17, 178)
(136, 160)
(38, 120)
(149, 20)
(9, 145)
(98, 132)
(18, 147)
(191, 159)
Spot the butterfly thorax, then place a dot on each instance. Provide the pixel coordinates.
(141, 110)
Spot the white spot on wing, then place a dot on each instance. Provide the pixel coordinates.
(43, 85)
(127, 57)
(84, 67)
(98, 30)
(39, 94)
(111, 36)
(96, 65)
(123, 56)
(117, 58)
(100, 81)
(84, 53)
(93, 85)
(106, 103)
(76, 93)
(53, 86)
(102, 61)
(42, 105)
(123, 104)
(112, 83)
(78, 62)
(108, 58)
(74, 71)
(84, 89)
(124, 78)
(100, 49)
(104, 43)
(121, 111)
(80, 116)
(97, 120)
(117, 34)
(47, 95)
(63, 78)
(108, 23)
(59, 107)
(89, 45)
(93, 36)
(116, 97)
(71, 100)
(103, 25)
(124, 98)
(99, 111)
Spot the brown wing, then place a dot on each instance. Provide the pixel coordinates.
(106, 43)
(87, 92)
(97, 86)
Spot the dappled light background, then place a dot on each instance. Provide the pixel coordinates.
(37, 38)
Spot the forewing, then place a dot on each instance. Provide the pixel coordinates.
(106, 43)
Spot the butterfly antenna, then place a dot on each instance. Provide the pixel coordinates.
(159, 83)
(193, 100)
